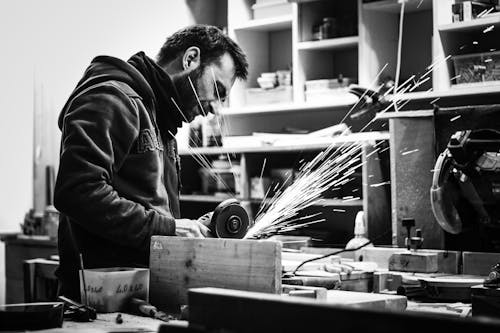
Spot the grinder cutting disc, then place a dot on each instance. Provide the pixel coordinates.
(229, 220)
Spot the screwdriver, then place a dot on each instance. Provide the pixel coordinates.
(142, 307)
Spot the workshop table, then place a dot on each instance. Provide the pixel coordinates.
(106, 322)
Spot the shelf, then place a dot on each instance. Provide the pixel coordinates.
(330, 44)
(393, 6)
(204, 197)
(473, 25)
(321, 202)
(454, 91)
(355, 137)
(288, 107)
(267, 24)
(326, 202)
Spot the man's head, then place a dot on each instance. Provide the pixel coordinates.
(203, 63)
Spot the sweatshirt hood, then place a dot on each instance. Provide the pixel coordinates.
(141, 74)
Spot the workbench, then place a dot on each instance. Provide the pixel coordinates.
(106, 322)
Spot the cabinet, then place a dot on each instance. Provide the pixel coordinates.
(368, 190)
(364, 46)
(17, 249)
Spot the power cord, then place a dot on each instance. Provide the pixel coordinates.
(338, 252)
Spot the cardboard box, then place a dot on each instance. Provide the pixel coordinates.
(477, 68)
(271, 9)
(109, 289)
(258, 96)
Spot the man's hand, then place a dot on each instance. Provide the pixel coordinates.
(191, 228)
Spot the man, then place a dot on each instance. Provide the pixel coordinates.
(118, 181)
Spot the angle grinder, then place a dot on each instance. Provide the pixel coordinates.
(229, 220)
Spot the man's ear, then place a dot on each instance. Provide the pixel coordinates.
(191, 58)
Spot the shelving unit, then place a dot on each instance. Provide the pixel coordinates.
(286, 42)
(458, 38)
(474, 25)
(266, 24)
(393, 6)
(330, 44)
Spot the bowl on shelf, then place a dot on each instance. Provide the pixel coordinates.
(266, 83)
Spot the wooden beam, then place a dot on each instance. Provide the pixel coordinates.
(414, 262)
(240, 311)
(177, 264)
(479, 263)
(448, 261)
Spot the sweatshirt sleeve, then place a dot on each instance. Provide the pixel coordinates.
(99, 130)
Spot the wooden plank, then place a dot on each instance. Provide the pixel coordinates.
(479, 263)
(367, 300)
(413, 262)
(412, 160)
(376, 197)
(293, 290)
(448, 261)
(240, 311)
(177, 264)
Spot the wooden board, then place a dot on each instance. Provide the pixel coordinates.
(414, 262)
(177, 264)
(366, 300)
(239, 311)
(479, 263)
(448, 261)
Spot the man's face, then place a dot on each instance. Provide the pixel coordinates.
(205, 85)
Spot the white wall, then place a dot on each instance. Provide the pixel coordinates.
(45, 47)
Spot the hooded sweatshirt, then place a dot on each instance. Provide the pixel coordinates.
(118, 178)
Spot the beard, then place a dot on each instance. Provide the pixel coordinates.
(189, 102)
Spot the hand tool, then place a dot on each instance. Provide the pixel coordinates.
(139, 306)
(76, 311)
(229, 220)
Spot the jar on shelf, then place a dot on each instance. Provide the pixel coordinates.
(328, 28)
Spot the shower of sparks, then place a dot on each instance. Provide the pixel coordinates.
(475, 42)
(434, 100)
(381, 184)
(331, 167)
(262, 170)
(488, 60)
(455, 77)
(488, 29)
(196, 95)
(350, 198)
(327, 171)
(409, 152)
(385, 149)
(485, 12)
(455, 118)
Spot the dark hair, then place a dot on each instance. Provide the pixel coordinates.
(212, 42)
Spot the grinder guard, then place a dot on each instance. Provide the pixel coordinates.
(465, 192)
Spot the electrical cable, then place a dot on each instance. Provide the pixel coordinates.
(339, 251)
